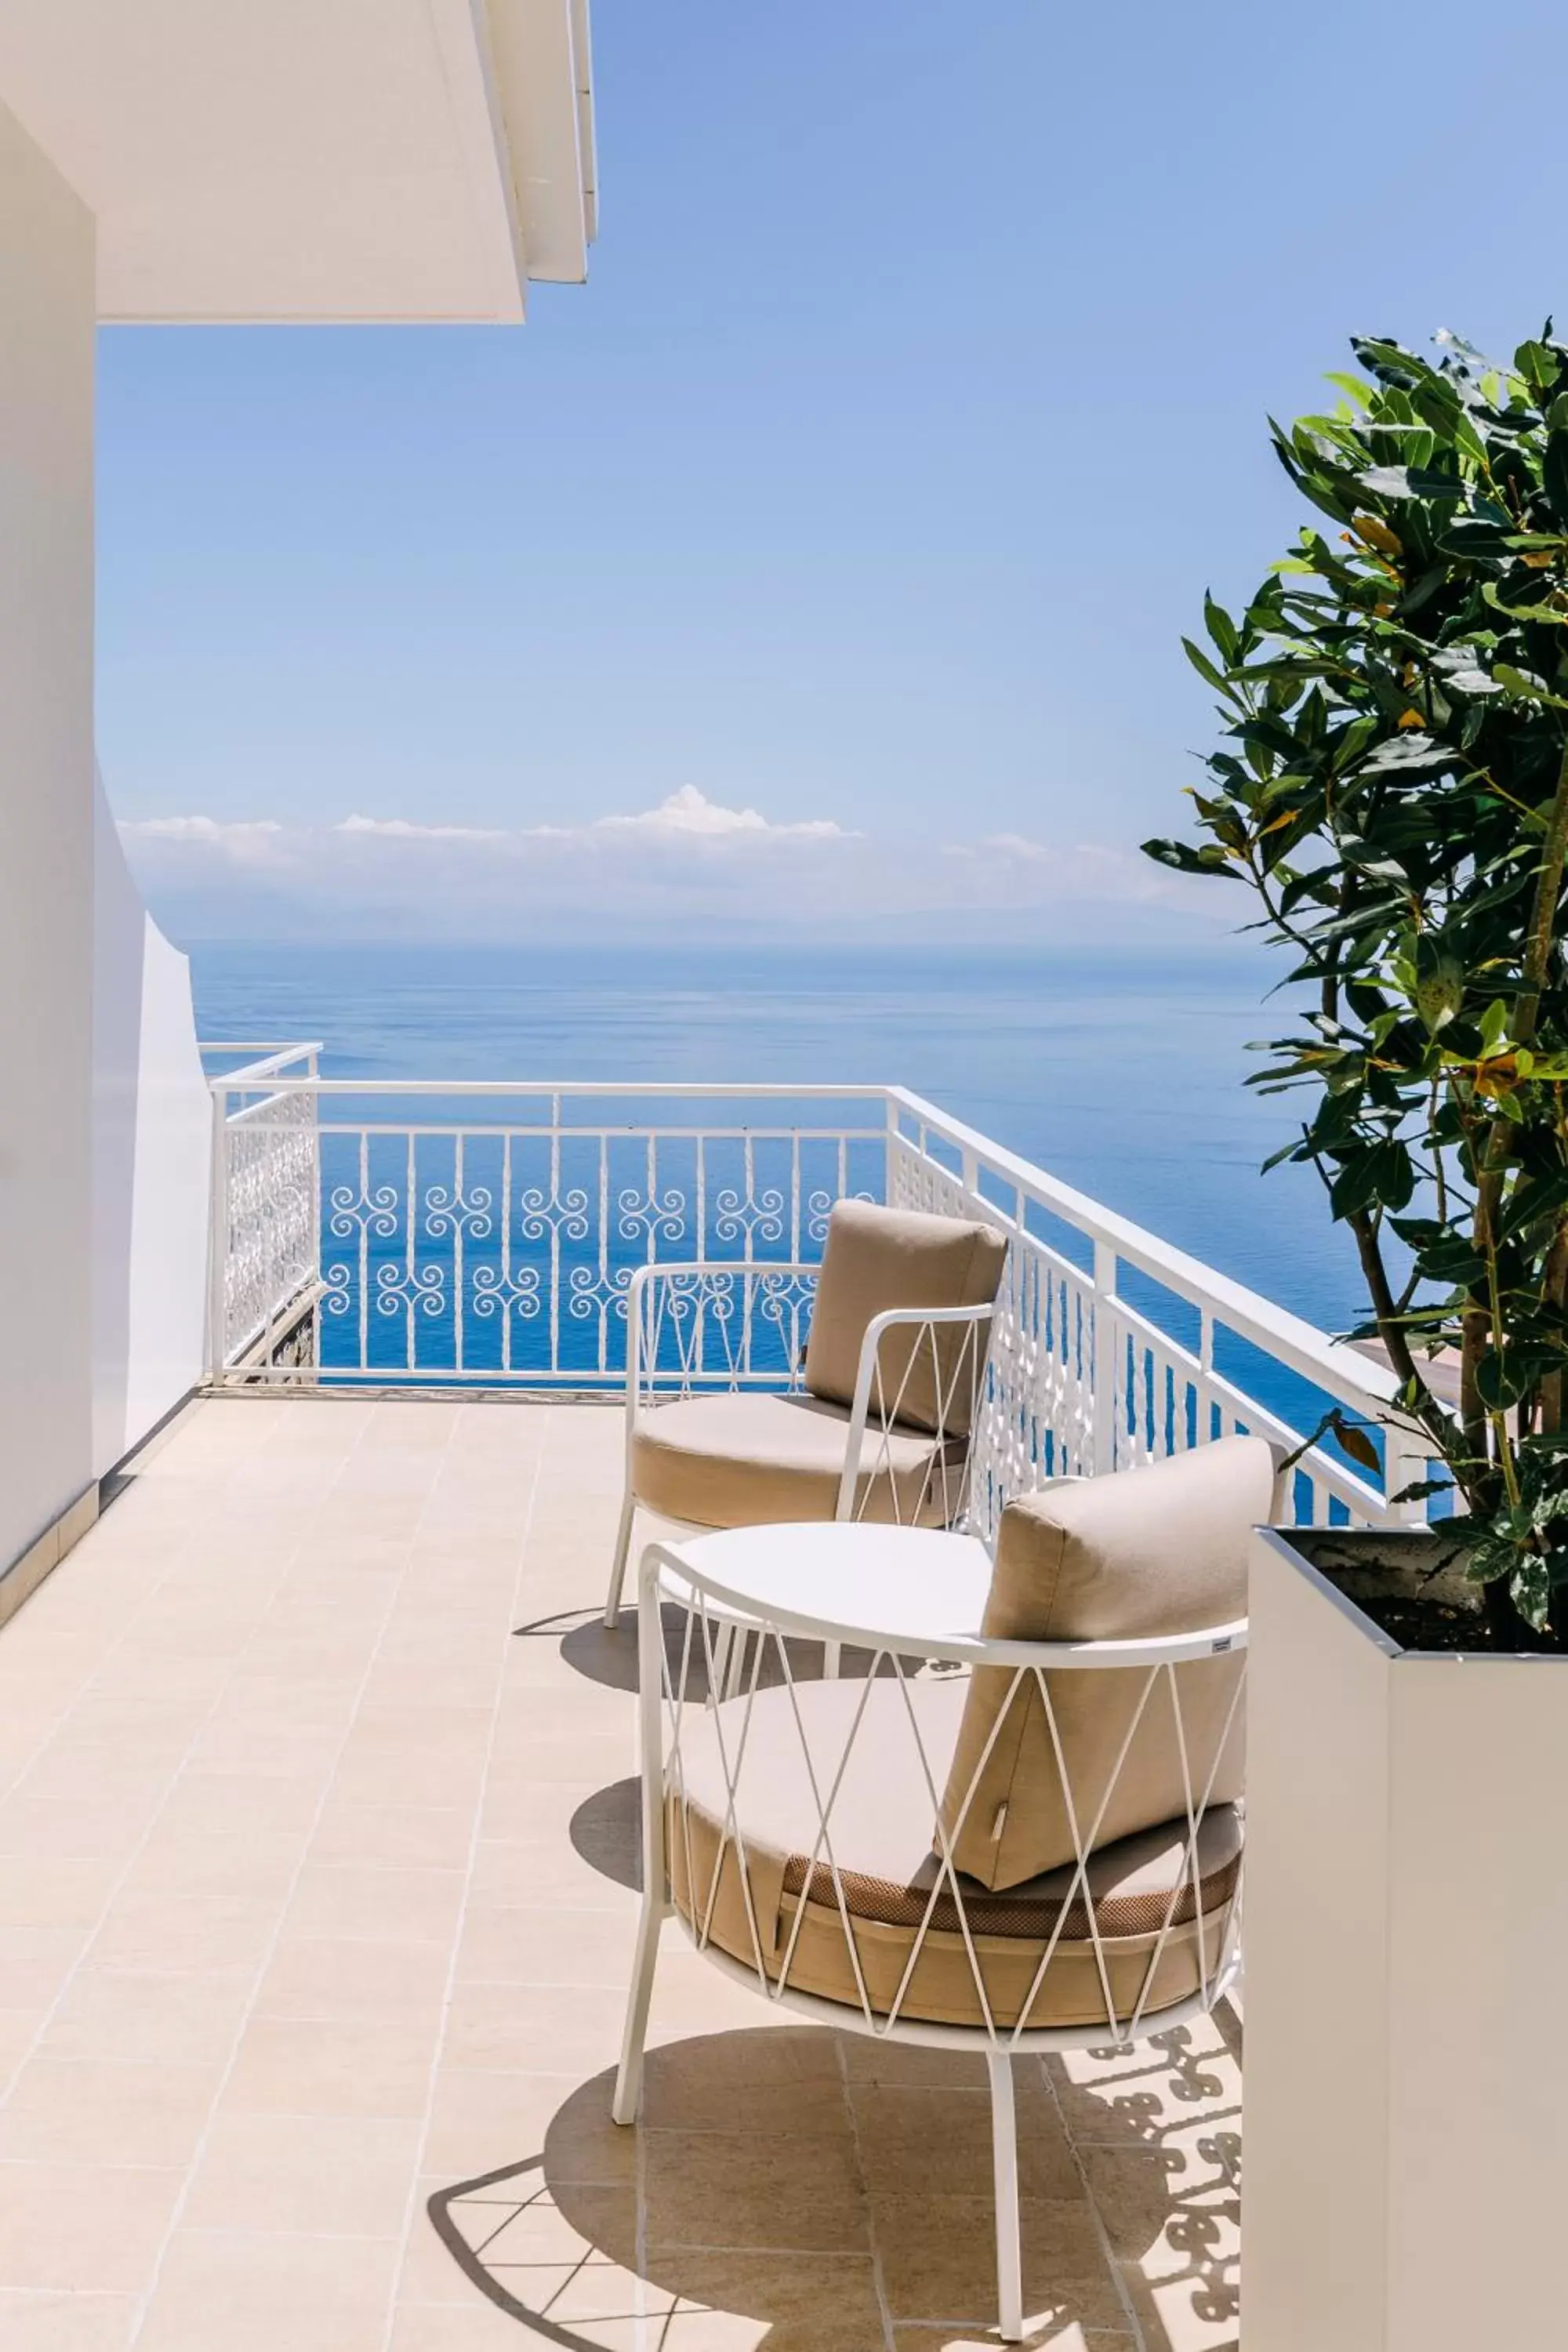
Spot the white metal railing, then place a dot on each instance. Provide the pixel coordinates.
(485, 1234)
(263, 1245)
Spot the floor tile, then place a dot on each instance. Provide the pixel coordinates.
(940, 2141)
(308, 2066)
(481, 2118)
(826, 2299)
(57, 2322)
(535, 2029)
(35, 1962)
(379, 1902)
(147, 1928)
(547, 1945)
(938, 2256)
(90, 2227)
(735, 2189)
(149, 2020)
(325, 1977)
(105, 2111)
(423, 1837)
(254, 2292)
(332, 2175)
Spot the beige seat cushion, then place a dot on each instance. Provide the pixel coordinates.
(881, 1826)
(1142, 1553)
(745, 1460)
(877, 1259)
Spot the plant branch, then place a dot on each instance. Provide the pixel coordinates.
(1482, 1325)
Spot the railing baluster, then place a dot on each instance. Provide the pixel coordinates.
(1105, 1384)
(459, 1213)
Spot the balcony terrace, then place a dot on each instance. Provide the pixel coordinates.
(317, 1843)
(317, 1858)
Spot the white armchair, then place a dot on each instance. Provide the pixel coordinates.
(850, 1390)
(1025, 1838)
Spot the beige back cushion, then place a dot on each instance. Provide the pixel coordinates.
(1123, 1558)
(877, 1258)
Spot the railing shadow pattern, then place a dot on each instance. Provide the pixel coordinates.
(788, 2179)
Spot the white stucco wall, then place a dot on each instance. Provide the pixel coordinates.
(46, 841)
(152, 1165)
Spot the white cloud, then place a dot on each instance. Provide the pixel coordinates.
(398, 828)
(256, 842)
(207, 829)
(691, 811)
(692, 861)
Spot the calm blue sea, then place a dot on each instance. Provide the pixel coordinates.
(1122, 1073)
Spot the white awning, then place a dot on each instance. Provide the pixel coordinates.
(314, 160)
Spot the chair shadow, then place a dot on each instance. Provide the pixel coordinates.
(709, 2209)
(608, 1654)
(606, 1830)
(600, 1652)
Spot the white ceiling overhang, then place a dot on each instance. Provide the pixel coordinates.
(314, 160)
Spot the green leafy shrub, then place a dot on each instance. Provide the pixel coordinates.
(1392, 787)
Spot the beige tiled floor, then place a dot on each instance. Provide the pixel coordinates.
(316, 1903)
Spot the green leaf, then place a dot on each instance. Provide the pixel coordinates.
(1494, 1026)
(1354, 387)
(1387, 481)
(1531, 1589)
(1206, 668)
(1491, 590)
(1462, 674)
(1537, 363)
(1406, 752)
(1469, 535)
(1209, 859)
(1221, 628)
(1525, 684)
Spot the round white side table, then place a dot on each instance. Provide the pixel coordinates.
(835, 1581)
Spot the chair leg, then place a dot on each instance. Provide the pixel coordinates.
(655, 1895)
(619, 1565)
(629, 2077)
(1005, 2166)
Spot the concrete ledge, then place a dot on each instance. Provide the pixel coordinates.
(26, 1573)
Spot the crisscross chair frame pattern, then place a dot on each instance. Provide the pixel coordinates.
(1190, 1935)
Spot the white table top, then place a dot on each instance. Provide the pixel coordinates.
(919, 1584)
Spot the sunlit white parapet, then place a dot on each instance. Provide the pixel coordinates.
(189, 161)
(152, 1163)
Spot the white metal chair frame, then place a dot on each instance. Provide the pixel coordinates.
(712, 1611)
(872, 1409)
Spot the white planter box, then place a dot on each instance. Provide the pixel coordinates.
(1407, 1938)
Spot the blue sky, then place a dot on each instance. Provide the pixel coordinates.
(918, 391)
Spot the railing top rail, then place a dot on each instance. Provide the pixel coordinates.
(721, 1090)
(258, 1045)
(275, 1056)
(1326, 1363)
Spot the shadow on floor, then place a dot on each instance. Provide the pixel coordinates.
(791, 2189)
(606, 1830)
(608, 1654)
(603, 1653)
